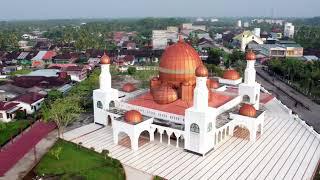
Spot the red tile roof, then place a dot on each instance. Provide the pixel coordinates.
(178, 107)
(31, 81)
(5, 106)
(29, 98)
(49, 55)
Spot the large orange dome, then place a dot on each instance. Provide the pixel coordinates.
(231, 74)
(248, 110)
(165, 94)
(133, 116)
(178, 63)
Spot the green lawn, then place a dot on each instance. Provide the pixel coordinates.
(11, 129)
(21, 72)
(77, 161)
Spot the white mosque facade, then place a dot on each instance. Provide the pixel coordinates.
(198, 111)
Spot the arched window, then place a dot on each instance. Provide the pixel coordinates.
(111, 104)
(99, 105)
(209, 126)
(246, 98)
(194, 128)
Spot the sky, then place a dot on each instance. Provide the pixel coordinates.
(65, 9)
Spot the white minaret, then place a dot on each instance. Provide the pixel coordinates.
(201, 93)
(250, 89)
(105, 75)
(200, 118)
(104, 97)
(250, 72)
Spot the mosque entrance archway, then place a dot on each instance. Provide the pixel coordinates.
(124, 140)
(241, 131)
(144, 138)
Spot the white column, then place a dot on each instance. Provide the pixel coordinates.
(178, 137)
(134, 143)
(160, 137)
(201, 94)
(105, 77)
(169, 134)
(250, 73)
(151, 133)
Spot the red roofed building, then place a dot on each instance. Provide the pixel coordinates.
(8, 110)
(30, 102)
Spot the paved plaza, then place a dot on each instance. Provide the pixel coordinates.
(287, 150)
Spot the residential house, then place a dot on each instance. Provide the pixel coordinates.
(292, 48)
(30, 102)
(77, 73)
(42, 58)
(66, 58)
(8, 110)
(242, 40)
(273, 50)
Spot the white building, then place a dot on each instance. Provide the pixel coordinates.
(239, 24)
(161, 38)
(289, 30)
(30, 102)
(201, 125)
(8, 111)
(162, 131)
(257, 32)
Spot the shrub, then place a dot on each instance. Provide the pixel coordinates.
(56, 152)
(132, 70)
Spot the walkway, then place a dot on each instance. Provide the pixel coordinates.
(12, 153)
(288, 149)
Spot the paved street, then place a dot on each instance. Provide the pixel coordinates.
(283, 93)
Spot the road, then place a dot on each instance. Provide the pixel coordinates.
(309, 111)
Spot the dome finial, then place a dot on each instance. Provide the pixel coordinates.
(180, 38)
(250, 55)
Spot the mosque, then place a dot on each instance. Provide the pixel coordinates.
(183, 103)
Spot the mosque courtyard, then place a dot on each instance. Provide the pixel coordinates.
(288, 149)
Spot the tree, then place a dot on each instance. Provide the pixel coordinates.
(62, 111)
(105, 152)
(214, 56)
(235, 56)
(132, 70)
(54, 95)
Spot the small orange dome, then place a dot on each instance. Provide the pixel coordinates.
(248, 110)
(231, 74)
(133, 116)
(202, 71)
(128, 87)
(165, 95)
(105, 59)
(250, 56)
(212, 84)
